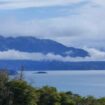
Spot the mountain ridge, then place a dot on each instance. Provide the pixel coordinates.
(15, 65)
(45, 46)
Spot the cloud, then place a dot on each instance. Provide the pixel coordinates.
(95, 55)
(79, 31)
(15, 4)
(17, 55)
(84, 27)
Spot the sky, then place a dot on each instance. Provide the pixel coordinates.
(78, 23)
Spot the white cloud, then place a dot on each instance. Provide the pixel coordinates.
(14, 4)
(17, 55)
(95, 55)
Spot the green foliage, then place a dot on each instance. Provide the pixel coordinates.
(66, 99)
(23, 93)
(5, 94)
(101, 101)
(49, 96)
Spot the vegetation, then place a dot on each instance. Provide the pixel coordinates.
(19, 92)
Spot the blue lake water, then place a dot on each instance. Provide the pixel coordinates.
(81, 82)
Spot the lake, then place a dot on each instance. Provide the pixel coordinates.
(80, 82)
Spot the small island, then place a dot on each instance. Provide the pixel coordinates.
(41, 72)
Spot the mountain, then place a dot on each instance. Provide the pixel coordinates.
(14, 65)
(45, 46)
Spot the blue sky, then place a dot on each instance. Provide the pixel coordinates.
(78, 23)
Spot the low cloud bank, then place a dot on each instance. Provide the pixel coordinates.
(95, 55)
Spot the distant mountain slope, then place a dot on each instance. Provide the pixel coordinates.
(15, 65)
(31, 44)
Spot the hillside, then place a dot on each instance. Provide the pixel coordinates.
(51, 65)
(45, 46)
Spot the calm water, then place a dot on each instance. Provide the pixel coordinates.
(82, 82)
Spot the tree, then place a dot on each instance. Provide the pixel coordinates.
(66, 99)
(101, 101)
(5, 94)
(23, 93)
(49, 96)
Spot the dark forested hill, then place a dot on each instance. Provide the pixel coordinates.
(52, 65)
(31, 44)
